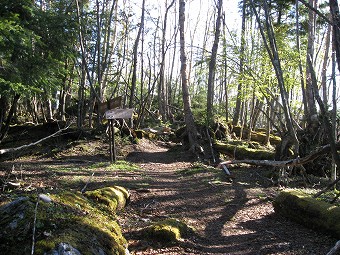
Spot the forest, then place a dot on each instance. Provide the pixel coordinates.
(69, 59)
(245, 87)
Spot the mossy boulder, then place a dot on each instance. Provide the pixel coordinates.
(70, 218)
(308, 211)
(113, 198)
(169, 230)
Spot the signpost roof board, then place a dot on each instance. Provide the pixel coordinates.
(119, 114)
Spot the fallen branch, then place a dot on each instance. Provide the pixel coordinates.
(335, 249)
(285, 163)
(3, 151)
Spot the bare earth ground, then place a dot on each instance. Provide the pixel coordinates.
(228, 217)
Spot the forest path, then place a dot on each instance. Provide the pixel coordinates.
(228, 217)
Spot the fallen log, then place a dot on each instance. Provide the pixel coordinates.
(25, 146)
(308, 211)
(335, 249)
(242, 151)
(284, 163)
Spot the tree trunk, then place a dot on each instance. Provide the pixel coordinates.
(334, 112)
(189, 118)
(240, 82)
(212, 64)
(334, 7)
(302, 82)
(135, 57)
(311, 106)
(162, 93)
(324, 67)
(9, 117)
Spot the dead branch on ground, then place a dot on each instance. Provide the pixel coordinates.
(3, 151)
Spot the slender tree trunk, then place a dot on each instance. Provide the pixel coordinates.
(225, 70)
(189, 118)
(334, 112)
(310, 54)
(212, 64)
(82, 42)
(302, 81)
(334, 7)
(135, 57)
(324, 67)
(268, 125)
(162, 93)
(334, 10)
(172, 91)
(9, 117)
(240, 82)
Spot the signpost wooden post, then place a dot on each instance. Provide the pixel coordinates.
(111, 115)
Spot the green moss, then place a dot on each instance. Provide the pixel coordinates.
(169, 230)
(311, 212)
(112, 197)
(258, 136)
(241, 150)
(121, 165)
(197, 168)
(71, 218)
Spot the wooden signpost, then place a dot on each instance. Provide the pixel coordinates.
(112, 115)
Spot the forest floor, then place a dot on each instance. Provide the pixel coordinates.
(228, 216)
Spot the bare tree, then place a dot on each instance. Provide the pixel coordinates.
(334, 7)
(162, 93)
(311, 106)
(135, 56)
(212, 63)
(302, 81)
(240, 83)
(189, 118)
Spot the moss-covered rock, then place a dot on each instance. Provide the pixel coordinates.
(169, 230)
(311, 212)
(113, 198)
(241, 150)
(71, 218)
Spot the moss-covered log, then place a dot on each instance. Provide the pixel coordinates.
(311, 212)
(256, 136)
(242, 151)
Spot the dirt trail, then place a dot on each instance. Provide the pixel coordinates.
(228, 217)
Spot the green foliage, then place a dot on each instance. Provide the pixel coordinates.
(33, 46)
